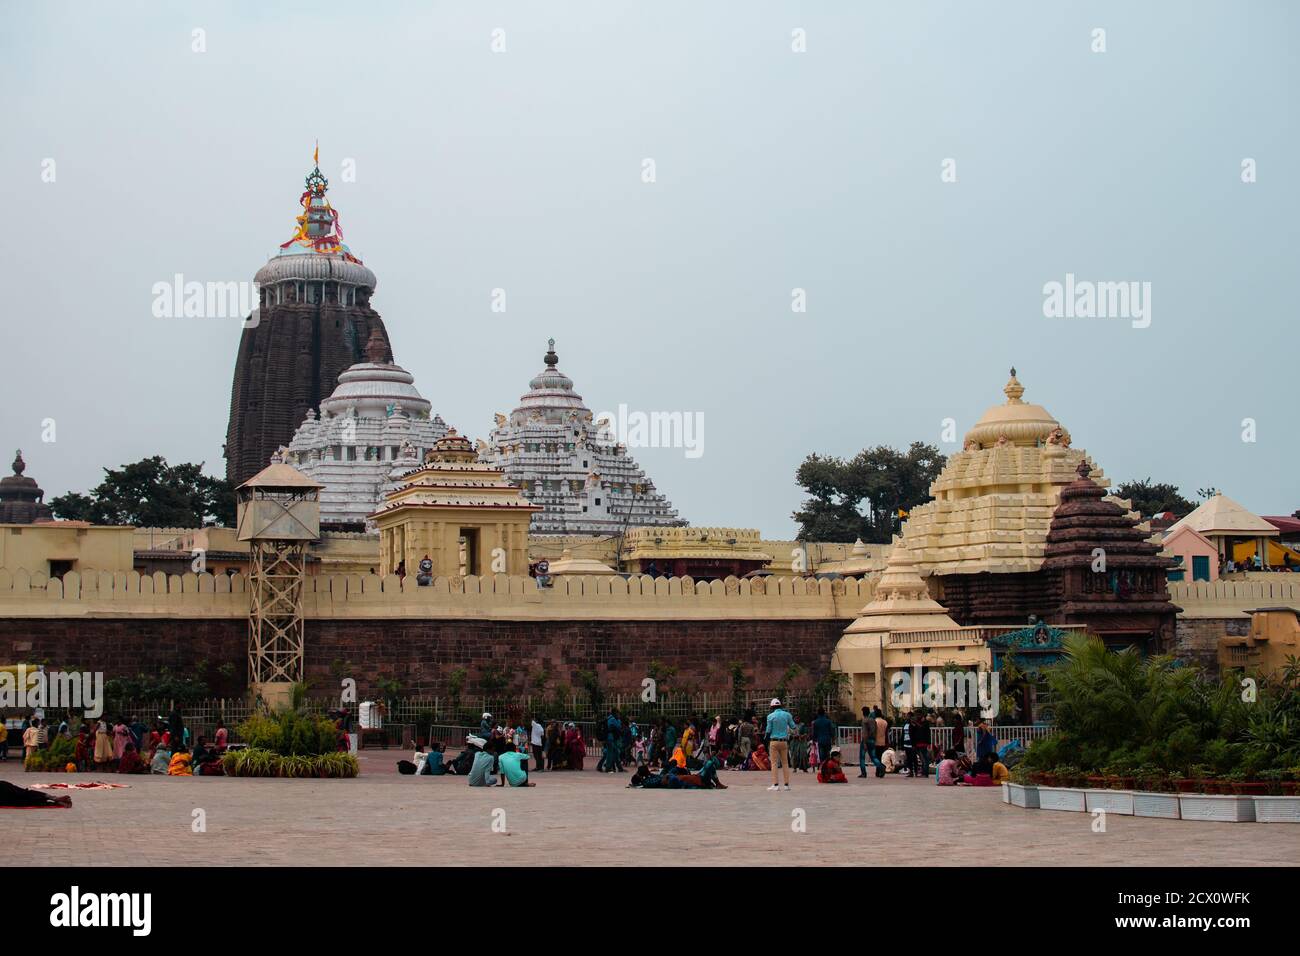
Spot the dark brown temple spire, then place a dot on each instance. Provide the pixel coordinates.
(314, 321)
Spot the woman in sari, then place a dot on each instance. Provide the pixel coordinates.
(121, 737)
(180, 763)
(758, 760)
(574, 746)
(103, 745)
(799, 747)
(690, 739)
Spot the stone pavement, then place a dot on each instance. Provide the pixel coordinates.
(384, 818)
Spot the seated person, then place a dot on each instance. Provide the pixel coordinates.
(432, 763)
(180, 764)
(206, 761)
(708, 772)
(759, 760)
(949, 770)
(481, 772)
(464, 761)
(162, 758)
(894, 759)
(131, 762)
(981, 774)
(1000, 772)
(831, 770)
(514, 769)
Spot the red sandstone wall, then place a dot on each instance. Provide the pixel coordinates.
(420, 654)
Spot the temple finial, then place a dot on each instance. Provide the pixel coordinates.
(1013, 389)
(551, 359)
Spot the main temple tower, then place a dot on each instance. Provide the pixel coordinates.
(314, 321)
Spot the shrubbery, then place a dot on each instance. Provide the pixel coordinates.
(61, 752)
(289, 744)
(1121, 715)
(264, 763)
(290, 734)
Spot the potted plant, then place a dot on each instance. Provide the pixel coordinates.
(1020, 791)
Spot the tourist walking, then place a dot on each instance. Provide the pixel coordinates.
(777, 730)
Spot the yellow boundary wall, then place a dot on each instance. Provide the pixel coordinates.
(105, 594)
(129, 594)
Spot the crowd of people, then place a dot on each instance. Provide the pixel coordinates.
(692, 753)
(126, 745)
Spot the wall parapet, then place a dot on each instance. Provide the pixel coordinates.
(1218, 599)
(501, 597)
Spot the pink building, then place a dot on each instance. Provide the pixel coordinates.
(1198, 558)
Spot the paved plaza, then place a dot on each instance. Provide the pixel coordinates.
(383, 818)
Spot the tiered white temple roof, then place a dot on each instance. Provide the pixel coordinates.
(585, 481)
(375, 420)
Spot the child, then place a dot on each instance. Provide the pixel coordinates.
(831, 770)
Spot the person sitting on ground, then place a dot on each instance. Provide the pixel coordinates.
(1000, 772)
(12, 795)
(464, 761)
(831, 769)
(131, 762)
(161, 760)
(759, 759)
(949, 770)
(514, 769)
(708, 772)
(981, 774)
(181, 763)
(433, 765)
(895, 760)
(206, 760)
(480, 773)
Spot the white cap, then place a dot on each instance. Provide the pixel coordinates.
(776, 702)
(486, 715)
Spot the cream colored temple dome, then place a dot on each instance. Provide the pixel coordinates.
(1015, 422)
(994, 499)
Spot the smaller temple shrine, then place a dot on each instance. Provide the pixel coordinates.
(21, 500)
(453, 515)
(374, 421)
(1103, 574)
(879, 642)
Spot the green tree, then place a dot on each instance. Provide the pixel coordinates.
(867, 496)
(1154, 499)
(152, 493)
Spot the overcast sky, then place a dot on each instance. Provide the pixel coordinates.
(775, 170)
